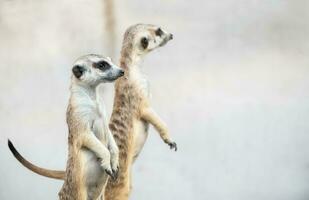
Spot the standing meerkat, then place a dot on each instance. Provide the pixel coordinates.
(93, 153)
(132, 112)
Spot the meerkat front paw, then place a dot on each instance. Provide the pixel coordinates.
(172, 145)
(109, 172)
(115, 164)
(112, 173)
(115, 171)
(107, 168)
(115, 167)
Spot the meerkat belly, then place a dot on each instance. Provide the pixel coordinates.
(94, 176)
(140, 127)
(140, 130)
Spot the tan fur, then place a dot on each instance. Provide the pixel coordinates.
(73, 187)
(131, 110)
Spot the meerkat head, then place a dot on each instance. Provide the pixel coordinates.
(144, 38)
(95, 69)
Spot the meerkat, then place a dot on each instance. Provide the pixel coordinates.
(92, 153)
(132, 112)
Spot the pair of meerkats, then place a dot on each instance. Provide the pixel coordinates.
(96, 150)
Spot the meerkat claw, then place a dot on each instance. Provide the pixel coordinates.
(110, 173)
(173, 145)
(115, 173)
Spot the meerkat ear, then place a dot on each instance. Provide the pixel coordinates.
(78, 71)
(144, 42)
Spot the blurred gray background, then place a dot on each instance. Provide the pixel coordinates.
(232, 87)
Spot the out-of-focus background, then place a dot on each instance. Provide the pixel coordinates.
(232, 87)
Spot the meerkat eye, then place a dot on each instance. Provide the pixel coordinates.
(102, 65)
(144, 42)
(159, 32)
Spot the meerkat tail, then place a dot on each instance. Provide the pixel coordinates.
(41, 171)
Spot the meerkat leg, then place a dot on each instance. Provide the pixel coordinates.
(114, 152)
(91, 142)
(150, 116)
(105, 136)
(119, 189)
(111, 145)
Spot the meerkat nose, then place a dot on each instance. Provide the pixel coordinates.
(121, 72)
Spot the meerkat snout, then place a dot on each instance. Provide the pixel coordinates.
(118, 72)
(121, 73)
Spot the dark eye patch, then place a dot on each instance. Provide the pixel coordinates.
(144, 42)
(159, 32)
(102, 65)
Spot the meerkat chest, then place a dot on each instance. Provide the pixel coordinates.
(99, 119)
(93, 115)
(144, 87)
(142, 84)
